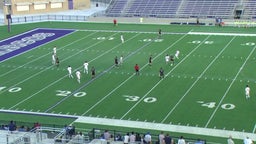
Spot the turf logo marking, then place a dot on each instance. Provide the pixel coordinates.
(26, 41)
(132, 98)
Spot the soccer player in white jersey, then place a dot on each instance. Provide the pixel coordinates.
(78, 76)
(122, 38)
(53, 59)
(247, 92)
(70, 72)
(55, 50)
(86, 64)
(121, 60)
(167, 59)
(177, 54)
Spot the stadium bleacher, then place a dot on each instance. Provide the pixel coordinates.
(177, 8)
(250, 8)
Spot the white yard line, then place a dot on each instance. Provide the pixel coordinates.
(254, 129)
(162, 80)
(198, 78)
(56, 81)
(129, 78)
(40, 71)
(33, 60)
(225, 94)
(87, 83)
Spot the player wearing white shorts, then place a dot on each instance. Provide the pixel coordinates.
(86, 64)
(78, 76)
(53, 59)
(121, 60)
(177, 54)
(70, 72)
(247, 92)
(122, 38)
(167, 59)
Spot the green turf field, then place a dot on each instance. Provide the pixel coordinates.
(204, 88)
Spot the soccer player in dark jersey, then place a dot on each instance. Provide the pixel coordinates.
(93, 72)
(172, 60)
(161, 73)
(57, 62)
(159, 33)
(150, 60)
(116, 61)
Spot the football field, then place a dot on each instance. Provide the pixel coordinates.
(205, 87)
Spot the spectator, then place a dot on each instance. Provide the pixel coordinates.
(230, 140)
(126, 138)
(132, 138)
(79, 138)
(199, 141)
(106, 135)
(161, 138)
(147, 138)
(138, 137)
(181, 140)
(37, 125)
(22, 129)
(168, 139)
(12, 126)
(119, 137)
(247, 140)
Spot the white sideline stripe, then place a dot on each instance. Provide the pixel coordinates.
(220, 34)
(254, 129)
(165, 127)
(146, 125)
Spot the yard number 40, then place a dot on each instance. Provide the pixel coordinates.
(226, 106)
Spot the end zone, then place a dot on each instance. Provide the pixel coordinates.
(26, 41)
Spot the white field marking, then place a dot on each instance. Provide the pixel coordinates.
(44, 55)
(171, 33)
(65, 75)
(129, 78)
(142, 32)
(19, 35)
(162, 79)
(254, 129)
(165, 127)
(220, 34)
(146, 125)
(198, 78)
(38, 46)
(30, 56)
(84, 85)
(40, 71)
(225, 94)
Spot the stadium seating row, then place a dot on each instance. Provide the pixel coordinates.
(177, 8)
